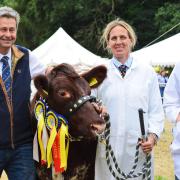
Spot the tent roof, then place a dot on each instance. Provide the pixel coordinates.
(60, 48)
(163, 53)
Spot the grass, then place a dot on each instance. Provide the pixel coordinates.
(160, 178)
(163, 165)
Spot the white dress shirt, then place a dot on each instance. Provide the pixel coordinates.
(36, 67)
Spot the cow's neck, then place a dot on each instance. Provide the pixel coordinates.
(81, 160)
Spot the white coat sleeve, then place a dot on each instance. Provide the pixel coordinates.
(155, 112)
(172, 95)
(36, 66)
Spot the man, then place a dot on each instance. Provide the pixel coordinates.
(172, 109)
(17, 67)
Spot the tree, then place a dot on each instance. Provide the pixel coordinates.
(84, 20)
(167, 17)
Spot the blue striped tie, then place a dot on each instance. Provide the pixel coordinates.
(6, 75)
(123, 69)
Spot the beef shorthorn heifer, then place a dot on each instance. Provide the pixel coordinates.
(67, 120)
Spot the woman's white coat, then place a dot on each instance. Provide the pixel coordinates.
(123, 97)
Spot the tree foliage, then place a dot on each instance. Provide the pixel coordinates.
(84, 20)
(167, 17)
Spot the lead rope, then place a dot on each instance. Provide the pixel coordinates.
(146, 169)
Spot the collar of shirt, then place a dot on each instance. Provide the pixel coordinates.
(9, 60)
(127, 63)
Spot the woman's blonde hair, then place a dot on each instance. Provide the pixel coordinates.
(105, 36)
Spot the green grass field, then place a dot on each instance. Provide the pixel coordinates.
(164, 169)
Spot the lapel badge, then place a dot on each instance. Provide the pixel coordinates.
(19, 71)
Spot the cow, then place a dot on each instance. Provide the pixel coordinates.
(62, 89)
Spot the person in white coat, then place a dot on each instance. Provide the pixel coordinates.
(172, 110)
(123, 94)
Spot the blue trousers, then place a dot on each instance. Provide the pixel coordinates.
(162, 91)
(18, 163)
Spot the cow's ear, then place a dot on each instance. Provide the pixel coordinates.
(95, 76)
(41, 84)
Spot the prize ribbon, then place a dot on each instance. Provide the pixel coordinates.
(39, 111)
(57, 150)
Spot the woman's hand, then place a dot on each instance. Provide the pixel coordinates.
(147, 146)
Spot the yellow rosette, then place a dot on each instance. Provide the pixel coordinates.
(51, 124)
(39, 111)
(64, 148)
(57, 149)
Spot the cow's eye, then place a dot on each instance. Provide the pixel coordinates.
(64, 93)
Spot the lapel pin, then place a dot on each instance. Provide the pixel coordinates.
(19, 71)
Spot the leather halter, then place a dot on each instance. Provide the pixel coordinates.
(73, 108)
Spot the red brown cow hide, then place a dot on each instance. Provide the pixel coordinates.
(62, 88)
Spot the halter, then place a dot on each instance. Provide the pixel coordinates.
(73, 108)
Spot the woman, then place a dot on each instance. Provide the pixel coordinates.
(123, 93)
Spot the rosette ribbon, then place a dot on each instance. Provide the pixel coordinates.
(58, 144)
(42, 136)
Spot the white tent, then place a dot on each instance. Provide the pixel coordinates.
(60, 48)
(163, 53)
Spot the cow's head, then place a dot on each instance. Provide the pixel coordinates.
(63, 87)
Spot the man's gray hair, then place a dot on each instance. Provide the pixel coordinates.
(10, 13)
